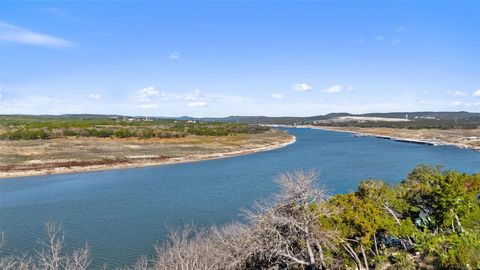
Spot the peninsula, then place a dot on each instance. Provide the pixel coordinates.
(50, 145)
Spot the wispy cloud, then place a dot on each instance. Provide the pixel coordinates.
(13, 33)
(174, 56)
(457, 93)
(197, 104)
(147, 95)
(55, 11)
(148, 91)
(150, 96)
(379, 38)
(149, 106)
(477, 93)
(461, 103)
(94, 96)
(62, 14)
(277, 96)
(334, 89)
(301, 87)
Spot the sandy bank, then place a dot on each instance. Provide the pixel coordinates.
(142, 161)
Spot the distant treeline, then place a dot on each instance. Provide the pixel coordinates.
(419, 120)
(415, 124)
(431, 220)
(35, 128)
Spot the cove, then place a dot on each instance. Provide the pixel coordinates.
(123, 213)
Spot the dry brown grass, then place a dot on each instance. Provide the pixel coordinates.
(36, 156)
(460, 137)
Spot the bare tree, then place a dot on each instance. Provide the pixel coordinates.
(78, 260)
(191, 249)
(288, 234)
(50, 256)
(11, 261)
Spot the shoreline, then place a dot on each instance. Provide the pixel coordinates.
(145, 163)
(403, 139)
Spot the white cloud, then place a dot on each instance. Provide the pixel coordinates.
(333, 89)
(195, 96)
(149, 91)
(146, 94)
(149, 106)
(457, 93)
(460, 103)
(13, 33)
(151, 97)
(457, 103)
(379, 37)
(277, 96)
(197, 104)
(477, 93)
(301, 87)
(174, 56)
(349, 89)
(94, 96)
(0, 95)
(401, 29)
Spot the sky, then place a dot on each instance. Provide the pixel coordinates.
(221, 58)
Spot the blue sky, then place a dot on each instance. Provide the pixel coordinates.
(221, 58)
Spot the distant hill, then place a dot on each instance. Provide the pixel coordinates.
(416, 120)
(428, 119)
(414, 116)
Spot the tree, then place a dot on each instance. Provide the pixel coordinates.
(288, 233)
(50, 256)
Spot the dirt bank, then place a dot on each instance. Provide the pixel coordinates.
(70, 155)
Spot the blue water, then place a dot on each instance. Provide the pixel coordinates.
(123, 213)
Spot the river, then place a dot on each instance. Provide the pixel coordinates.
(121, 214)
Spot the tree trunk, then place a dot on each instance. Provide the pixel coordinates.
(322, 260)
(376, 246)
(364, 256)
(352, 254)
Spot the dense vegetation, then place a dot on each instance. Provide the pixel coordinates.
(15, 127)
(431, 220)
(47, 127)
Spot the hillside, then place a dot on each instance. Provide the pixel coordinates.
(444, 120)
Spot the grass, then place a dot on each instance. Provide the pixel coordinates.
(30, 154)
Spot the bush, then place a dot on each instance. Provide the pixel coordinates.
(122, 133)
(26, 134)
